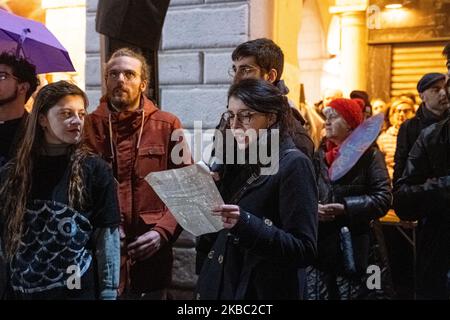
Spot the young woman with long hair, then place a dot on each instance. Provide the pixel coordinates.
(58, 207)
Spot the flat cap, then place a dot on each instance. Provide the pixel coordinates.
(428, 80)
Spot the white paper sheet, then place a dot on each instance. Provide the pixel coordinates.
(190, 194)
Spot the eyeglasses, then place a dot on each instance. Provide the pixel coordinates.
(404, 110)
(6, 75)
(243, 117)
(242, 71)
(330, 114)
(129, 75)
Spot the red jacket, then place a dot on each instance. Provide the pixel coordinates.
(140, 144)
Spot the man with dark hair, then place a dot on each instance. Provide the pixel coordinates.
(136, 138)
(434, 108)
(263, 59)
(259, 58)
(423, 194)
(18, 81)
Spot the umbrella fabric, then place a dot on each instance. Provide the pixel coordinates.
(355, 145)
(36, 43)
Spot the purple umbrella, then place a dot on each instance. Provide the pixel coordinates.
(33, 41)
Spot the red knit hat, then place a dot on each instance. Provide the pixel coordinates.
(350, 110)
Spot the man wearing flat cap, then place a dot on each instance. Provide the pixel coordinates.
(423, 194)
(434, 108)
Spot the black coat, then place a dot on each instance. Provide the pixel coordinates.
(302, 140)
(264, 255)
(407, 135)
(10, 134)
(423, 193)
(366, 194)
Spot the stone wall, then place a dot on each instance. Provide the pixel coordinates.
(197, 41)
(93, 61)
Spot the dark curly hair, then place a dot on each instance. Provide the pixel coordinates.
(24, 70)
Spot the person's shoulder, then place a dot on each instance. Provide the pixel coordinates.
(408, 123)
(97, 116)
(294, 157)
(95, 164)
(434, 129)
(295, 153)
(414, 122)
(294, 166)
(372, 153)
(164, 116)
(410, 126)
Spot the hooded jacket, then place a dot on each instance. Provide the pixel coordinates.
(136, 143)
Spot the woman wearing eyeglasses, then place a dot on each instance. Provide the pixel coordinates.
(346, 209)
(270, 215)
(58, 208)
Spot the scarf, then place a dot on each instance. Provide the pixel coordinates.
(331, 152)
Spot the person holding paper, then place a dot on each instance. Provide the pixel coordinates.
(269, 216)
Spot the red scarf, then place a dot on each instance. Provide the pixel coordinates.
(331, 153)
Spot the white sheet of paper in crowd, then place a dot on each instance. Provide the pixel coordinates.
(190, 194)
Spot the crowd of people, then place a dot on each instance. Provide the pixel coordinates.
(79, 221)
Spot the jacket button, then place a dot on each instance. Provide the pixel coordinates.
(220, 259)
(211, 254)
(236, 240)
(268, 222)
(198, 296)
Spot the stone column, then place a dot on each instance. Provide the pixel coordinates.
(354, 47)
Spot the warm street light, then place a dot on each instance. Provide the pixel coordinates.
(393, 6)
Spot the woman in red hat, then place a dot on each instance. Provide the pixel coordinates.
(346, 208)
